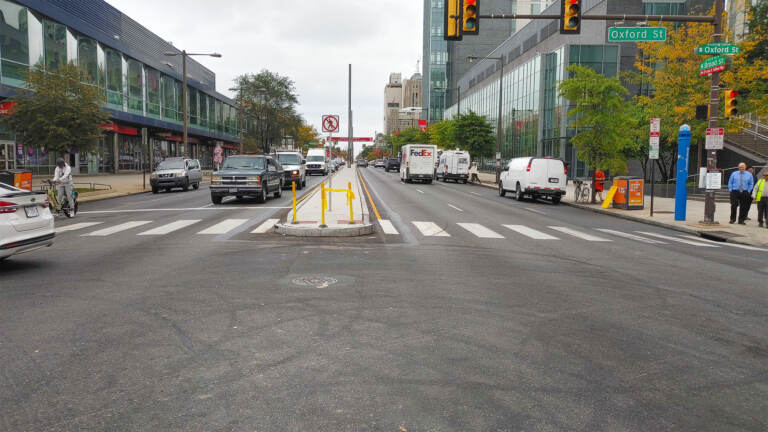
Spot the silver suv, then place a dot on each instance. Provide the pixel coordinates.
(177, 172)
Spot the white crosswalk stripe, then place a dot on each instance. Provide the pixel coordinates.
(169, 228)
(530, 232)
(266, 226)
(387, 227)
(579, 234)
(736, 245)
(77, 226)
(116, 229)
(630, 236)
(676, 239)
(223, 227)
(430, 229)
(480, 230)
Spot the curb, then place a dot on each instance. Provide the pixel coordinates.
(298, 231)
(102, 197)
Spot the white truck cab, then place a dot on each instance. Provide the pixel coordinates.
(534, 177)
(317, 162)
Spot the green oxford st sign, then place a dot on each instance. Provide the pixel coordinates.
(637, 34)
(718, 48)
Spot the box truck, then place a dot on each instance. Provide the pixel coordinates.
(418, 162)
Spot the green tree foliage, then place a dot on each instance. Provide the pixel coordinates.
(602, 117)
(306, 134)
(473, 133)
(409, 136)
(748, 72)
(443, 134)
(59, 113)
(268, 101)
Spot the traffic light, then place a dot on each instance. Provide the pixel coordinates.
(452, 20)
(470, 18)
(731, 108)
(570, 16)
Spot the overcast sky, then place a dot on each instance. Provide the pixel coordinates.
(311, 41)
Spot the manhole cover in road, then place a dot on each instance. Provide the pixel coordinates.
(315, 281)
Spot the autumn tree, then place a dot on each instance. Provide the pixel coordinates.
(59, 113)
(748, 73)
(306, 134)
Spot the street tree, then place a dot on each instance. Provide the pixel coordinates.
(408, 136)
(748, 74)
(268, 101)
(306, 134)
(58, 112)
(443, 134)
(600, 119)
(474, 134)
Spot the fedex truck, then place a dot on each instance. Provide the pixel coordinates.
(417, 162)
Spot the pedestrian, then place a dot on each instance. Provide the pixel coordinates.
(599, 183)
(473, 173)
(751, 171)
(740, 185)
(761, 196)
(62, 178)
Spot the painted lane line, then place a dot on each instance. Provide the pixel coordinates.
(530, 232)
(480, 230)
(266, 226)
(676, 239)
(387, 227)
(535, 211)
(223, 227)
(77, 226)
(419, 191)
(630, 236)
(475, 193)
(208, 205)
(171, 227)
(180, 209)
(736, 245)
(579, 234)
(116, 229)
(455, 208)
(430, 229)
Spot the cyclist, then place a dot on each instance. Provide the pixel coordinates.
(62, 178)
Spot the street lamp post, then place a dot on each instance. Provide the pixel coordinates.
(184, 110)
(498, 123)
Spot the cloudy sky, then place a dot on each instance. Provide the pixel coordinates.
(311, 41)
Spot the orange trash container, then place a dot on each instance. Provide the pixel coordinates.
(630, 194)
(19, 178)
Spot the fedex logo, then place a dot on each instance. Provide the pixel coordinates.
(421, 152)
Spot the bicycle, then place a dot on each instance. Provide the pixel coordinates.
(60, 207)
(582, 192)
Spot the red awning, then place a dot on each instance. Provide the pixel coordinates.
(123, 130)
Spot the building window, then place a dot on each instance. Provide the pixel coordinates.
(168, 97)
(88, 59)
(55, 44)
(203, 109)
(114, 62)
(211, 113)
(179, 96)
(135, 87)
(192, 105)
(14, 43)
(219, 116)
(153, 92)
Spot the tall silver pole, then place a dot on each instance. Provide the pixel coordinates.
(184, 100)
(350, 143)
(498, 124)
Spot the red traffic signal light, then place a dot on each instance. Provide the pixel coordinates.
(731, 102)
(570, 16)
(470, 20)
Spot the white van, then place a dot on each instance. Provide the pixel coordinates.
(534, 177)
(317, 163)
(453, 165)
(417, 162)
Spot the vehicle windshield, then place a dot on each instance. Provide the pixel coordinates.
(315, 158)
(244, 163)
(289, 159)
(171, 165)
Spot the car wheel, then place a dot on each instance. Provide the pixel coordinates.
(556, 200)
(196, 186)
(279, 192)
(262, 196)
(304, 183)
(216, 199)
(186, 186)
(502, 192)
(518, 193)
(155, 189)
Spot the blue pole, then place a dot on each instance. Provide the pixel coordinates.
(681, 192)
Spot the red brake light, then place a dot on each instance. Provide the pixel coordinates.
(528, 169)
(565, 169)
(7, 207)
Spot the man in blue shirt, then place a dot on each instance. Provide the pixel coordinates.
(740, 185)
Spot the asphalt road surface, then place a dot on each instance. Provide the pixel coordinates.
(465, 312)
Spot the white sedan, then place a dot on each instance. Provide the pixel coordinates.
(26, 222)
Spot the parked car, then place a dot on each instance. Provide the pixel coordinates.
(294, 169)
(418, 162)
(453, 165)
(393, 164)
(247, 175)
(317, 163)
(176, 172)
(535, 178)
(362, 163)
(26, 222)
(380, 163)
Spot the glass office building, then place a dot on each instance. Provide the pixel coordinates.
(435, 55)
(142, 88)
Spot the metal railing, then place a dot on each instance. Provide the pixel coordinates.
(695, 189)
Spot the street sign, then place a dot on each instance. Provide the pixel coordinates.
(653, 150)
(330, 123)
(637, 34)
(718, 48)
(362, 139)
(714, 140)
(714, 180)
(712, 65)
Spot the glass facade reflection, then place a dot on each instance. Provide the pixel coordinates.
(435, 58)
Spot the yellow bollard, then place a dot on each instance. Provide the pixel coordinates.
(322, 206)
(349, 202)
(293, 188)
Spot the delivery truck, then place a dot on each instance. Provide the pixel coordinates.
(418, 162)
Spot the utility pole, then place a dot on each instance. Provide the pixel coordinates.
(499, 132)
(350, 143)
(184, 100)
(714, 105)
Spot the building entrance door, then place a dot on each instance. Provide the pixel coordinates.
(7, 155)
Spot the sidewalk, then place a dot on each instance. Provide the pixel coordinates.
(308, 211)
(106, 185)
(664, 215)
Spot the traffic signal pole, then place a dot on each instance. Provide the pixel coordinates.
(714, 102)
